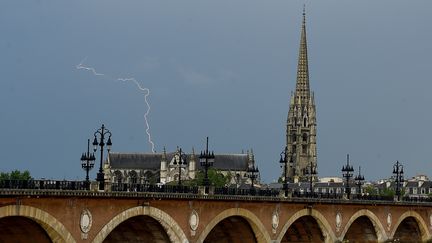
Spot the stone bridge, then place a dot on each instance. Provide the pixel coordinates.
(80, 216)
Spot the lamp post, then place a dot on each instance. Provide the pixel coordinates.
(398, 172)
(87, 163)
(206, 160)
(252, 173)
(101, 133)
(180, 161)
(284, 163)
(347, 173)
(311, 172)
(359, 180)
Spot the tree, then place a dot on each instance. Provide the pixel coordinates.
(370, 190)
(388, 192)
(16, 175)
(216, 178)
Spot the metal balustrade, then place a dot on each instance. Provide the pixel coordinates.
(194, 190)
(125, 187)
(42, 184)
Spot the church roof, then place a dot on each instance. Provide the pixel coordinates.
(151, 161)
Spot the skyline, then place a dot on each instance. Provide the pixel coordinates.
(227, 78)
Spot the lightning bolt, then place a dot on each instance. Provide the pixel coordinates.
(81, 66)
(145, 90)
(146, 94)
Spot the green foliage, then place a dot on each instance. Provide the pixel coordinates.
(280, 179)
(387, 192)
(15, 175)
(370, 190)
(216, 178)
(153, 180)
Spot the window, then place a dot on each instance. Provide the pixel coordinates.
(304, 149)
(118, 176)
(133, 177)
(305, 137)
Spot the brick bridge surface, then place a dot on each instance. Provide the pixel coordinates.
(70, 216)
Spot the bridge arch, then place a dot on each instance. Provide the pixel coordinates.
(424, 232)
(319, 218)
(258, 228)
(54, 228)
(173, 230)
(376, 223)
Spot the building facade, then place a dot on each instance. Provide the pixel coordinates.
(163, 168)
(301, 121)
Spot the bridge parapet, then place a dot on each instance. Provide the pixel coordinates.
(53, 186)
(164, 195)
(186, 217)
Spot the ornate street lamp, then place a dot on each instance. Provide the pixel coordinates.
(180, 161)
(359, 180)
(252, 173)
(284, 164)
(398, 172)
(102, 133)
(347, 173)
(87, 163)
(206, 160)
(311, 172)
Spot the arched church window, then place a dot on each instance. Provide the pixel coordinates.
(304, 122)
(148, 177)
(294, 137)
(133, 177)
(118, 177)
(305, 137)
(304, 149)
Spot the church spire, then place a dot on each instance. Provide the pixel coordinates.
(301, 122)
(302, 84)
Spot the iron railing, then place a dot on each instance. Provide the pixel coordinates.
(373, 197)
(317, 195)
(126, 187)
(157, 188)
(246, 192)
(42, 184)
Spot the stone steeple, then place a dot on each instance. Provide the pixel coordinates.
(301, 122)
(163, 167)
(192, 165)
(302, 84)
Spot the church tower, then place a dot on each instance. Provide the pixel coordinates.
(301, 122)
